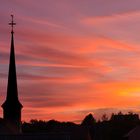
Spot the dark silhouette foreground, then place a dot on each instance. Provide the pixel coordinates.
(115, 128)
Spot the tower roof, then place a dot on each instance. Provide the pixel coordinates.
(12, 91)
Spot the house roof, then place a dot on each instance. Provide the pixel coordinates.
(134, 131)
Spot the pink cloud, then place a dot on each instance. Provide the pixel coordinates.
(73, 58)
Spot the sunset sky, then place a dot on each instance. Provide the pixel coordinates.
(73, 57)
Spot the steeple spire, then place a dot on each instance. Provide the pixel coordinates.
(12, 78)
(12, 107)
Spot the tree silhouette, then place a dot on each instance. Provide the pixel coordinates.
(88, 120)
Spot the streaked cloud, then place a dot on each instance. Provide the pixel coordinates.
(73, 56)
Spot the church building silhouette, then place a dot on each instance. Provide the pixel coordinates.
(12, 107)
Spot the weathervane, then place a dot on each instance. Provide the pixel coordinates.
(12, 23)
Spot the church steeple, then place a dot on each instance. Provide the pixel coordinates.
(12, 107)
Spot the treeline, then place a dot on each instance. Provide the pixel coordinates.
(113, 128)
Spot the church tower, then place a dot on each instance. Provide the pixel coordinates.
(12, 107)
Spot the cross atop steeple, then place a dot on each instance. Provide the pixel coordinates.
(12, 23)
